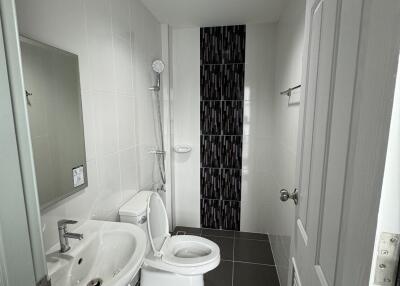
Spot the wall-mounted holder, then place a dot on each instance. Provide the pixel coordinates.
(182, 148)
(288, 92)
(295, 99)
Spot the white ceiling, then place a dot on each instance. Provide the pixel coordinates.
(187, 13)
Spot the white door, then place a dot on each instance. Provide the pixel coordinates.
(337, 49)
(314, 267)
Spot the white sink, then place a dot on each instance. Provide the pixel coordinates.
(110, 251)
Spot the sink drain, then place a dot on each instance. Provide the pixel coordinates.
(95, 282)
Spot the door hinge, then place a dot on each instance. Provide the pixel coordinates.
(45, 281)
(387, 260)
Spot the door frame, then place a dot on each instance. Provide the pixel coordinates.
(27, 191)
(367, 50)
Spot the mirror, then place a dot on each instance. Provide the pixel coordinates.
(51, 78)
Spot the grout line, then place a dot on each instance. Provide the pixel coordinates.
(233, 259)
(255, 263)
(206, 235)
(254, 239)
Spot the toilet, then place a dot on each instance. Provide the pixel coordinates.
(179, 260)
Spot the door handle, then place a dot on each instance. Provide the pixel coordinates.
(285, 195)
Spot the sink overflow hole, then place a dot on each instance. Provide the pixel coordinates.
(80, 260)
(95, 282)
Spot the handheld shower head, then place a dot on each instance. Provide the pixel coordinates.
(158, 66)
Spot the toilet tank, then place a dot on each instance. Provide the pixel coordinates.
(135, 210)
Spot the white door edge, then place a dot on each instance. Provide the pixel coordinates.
(295, 278)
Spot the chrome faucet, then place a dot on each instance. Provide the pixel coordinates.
(64, 234)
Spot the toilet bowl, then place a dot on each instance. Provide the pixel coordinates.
(179, 260)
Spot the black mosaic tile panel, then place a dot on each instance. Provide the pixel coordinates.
(211, 82)
(234, 44)
(222, 74)
(231, 182)
(230, 215)
(210, 213)
(211, 45)
(231, 152)
(210, 150)
(210, 183)
(233, 82)
(210, 114)
(232, 117)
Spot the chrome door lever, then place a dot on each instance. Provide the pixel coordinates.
(285, 195)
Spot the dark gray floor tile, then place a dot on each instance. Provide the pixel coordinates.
(225, 245)
(255, 251)
(250, 235)
(217, 232)
(254, 275)
(187, 230)
(220, 276)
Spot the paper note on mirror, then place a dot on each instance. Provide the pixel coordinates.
(79, 176)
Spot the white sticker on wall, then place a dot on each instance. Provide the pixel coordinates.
(79, 176)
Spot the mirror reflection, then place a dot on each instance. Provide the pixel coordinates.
(51, 78)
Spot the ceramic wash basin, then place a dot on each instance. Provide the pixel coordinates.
(110, 253)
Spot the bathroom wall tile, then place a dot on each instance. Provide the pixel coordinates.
(109, 197)
(126, 122)
(210, 114)
(210, 151)
(230, 215)
(232, 117)
(88, 110)
(109, 178)
(210, 183)
(123, 66)
(121, 18)
(210, 213)
(231, 182)
(211, 45)
(77, 205)
(100, 45)
(222, 92)
(147, 172)
(106, 123)
(233, 82)
(231, 152)
(129, 171)
(211, 82)
(234, 44)
(107, 38)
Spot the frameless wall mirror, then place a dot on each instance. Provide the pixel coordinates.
(51, 78)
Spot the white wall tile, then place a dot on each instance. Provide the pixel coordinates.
(290, 33)
(103, 34)
(186, 124)
(126, 122)
(123, 66)
(88, 107)
(121, 18)
(106, 123)
(100, 41)
(129, 173)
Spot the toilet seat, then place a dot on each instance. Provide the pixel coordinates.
(189, 251)
(181, 254)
